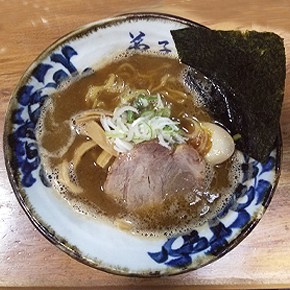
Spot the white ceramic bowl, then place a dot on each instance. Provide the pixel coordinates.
(89, 240)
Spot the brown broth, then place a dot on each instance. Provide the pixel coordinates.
(174, 214)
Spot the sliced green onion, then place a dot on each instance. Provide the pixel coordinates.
(237, 136)
(165, 112)
(130, 117)
(112, 135)
(167, 128)
(146, 119)
(148, 114)
(152, 98)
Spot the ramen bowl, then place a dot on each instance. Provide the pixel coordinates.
(90, 240)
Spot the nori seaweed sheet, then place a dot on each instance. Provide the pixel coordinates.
(241, 76)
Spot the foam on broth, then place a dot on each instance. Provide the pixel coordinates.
(58, 140)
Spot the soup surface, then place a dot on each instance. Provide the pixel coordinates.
(82, 183)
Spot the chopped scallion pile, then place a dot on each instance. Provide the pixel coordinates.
(147, 118)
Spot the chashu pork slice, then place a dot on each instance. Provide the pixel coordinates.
(150, 172)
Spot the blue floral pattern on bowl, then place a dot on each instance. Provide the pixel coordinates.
(90, 241)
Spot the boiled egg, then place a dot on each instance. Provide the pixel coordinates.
(223, 145)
